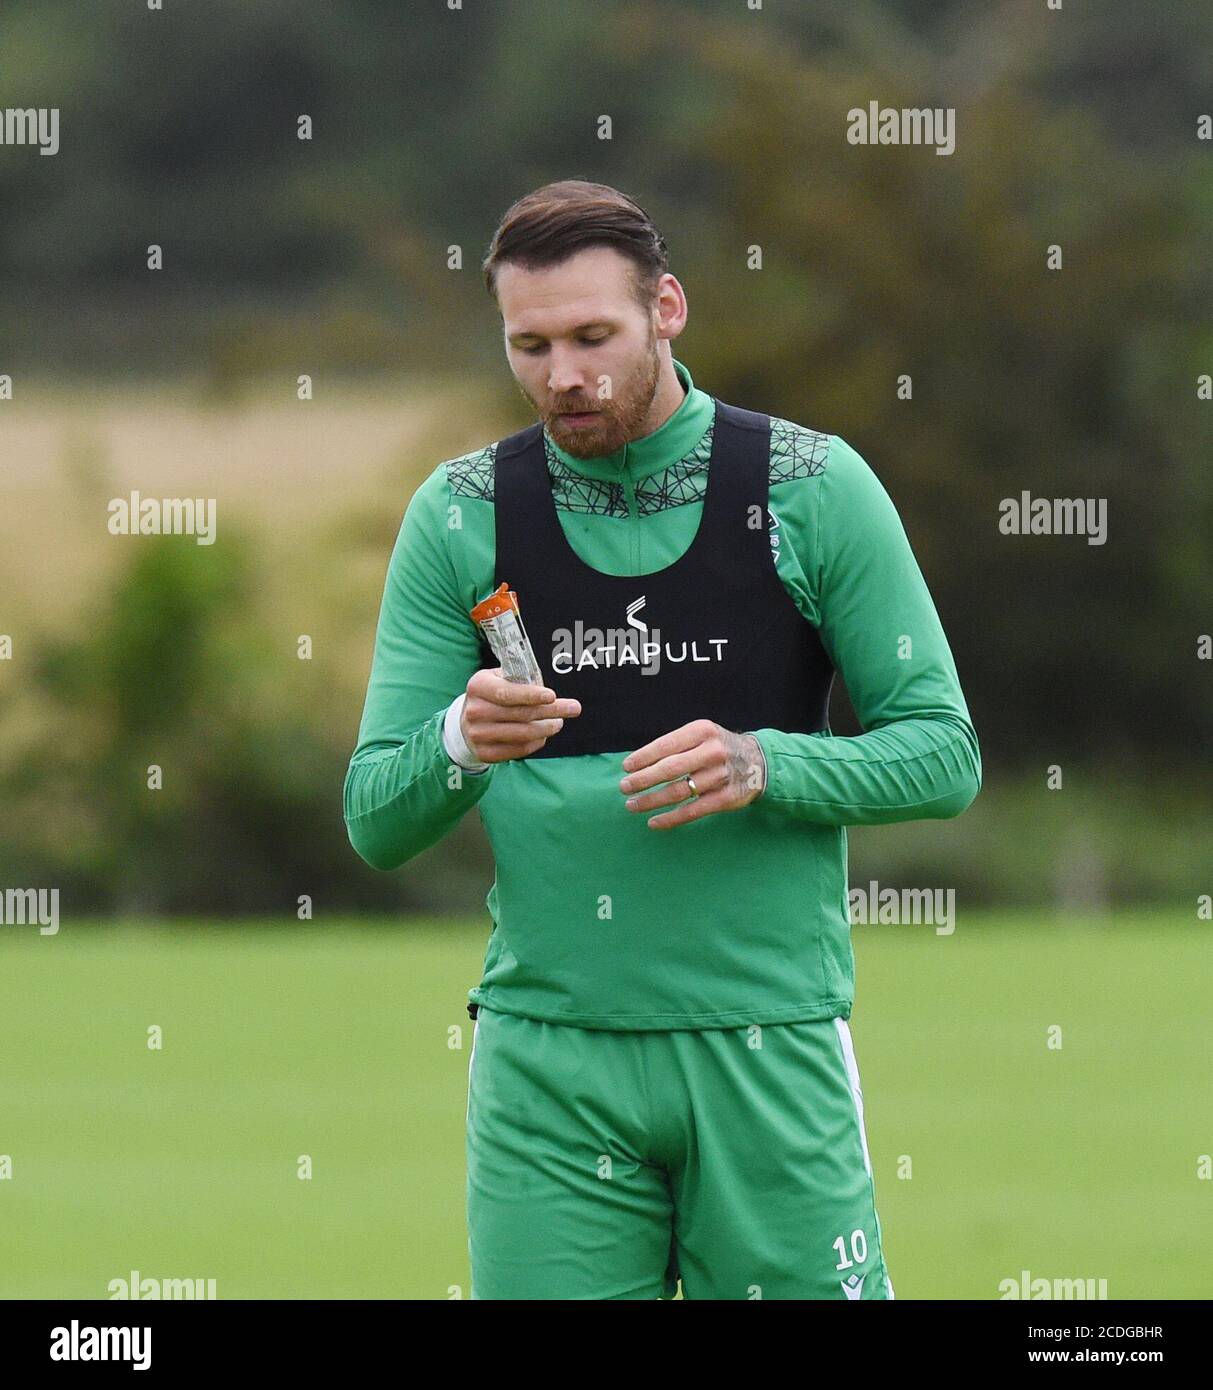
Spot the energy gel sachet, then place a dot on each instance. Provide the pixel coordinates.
(500, 619)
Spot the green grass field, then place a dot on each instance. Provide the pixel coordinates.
(281, 1040)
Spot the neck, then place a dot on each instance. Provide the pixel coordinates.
(666, 399)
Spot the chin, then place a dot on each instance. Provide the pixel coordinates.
(584, 443)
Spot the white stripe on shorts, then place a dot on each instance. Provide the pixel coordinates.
(475, 1025)
(848, 1057)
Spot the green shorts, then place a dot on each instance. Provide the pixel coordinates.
(606, 1164)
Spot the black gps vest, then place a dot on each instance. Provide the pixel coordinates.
(713, 636)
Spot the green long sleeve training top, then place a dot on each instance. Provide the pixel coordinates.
(740, 917)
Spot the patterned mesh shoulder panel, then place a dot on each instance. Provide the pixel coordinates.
(796, 452)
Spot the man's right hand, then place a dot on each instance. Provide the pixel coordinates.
(502, 719)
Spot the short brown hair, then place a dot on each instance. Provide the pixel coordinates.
(556, 221)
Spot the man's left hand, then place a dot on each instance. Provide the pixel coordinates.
(728, 768)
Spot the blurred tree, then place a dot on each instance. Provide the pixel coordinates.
(177, 670)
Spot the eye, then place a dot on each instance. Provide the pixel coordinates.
(531, 351)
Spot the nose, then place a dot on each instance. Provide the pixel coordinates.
(564, 378)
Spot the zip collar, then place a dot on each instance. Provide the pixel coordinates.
(641, 458)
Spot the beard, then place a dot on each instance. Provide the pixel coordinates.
(620, 417)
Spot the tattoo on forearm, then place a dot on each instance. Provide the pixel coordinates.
(744, 769)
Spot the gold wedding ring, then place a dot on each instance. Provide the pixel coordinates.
(693, 787)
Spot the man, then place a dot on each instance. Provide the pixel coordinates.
(662, 1085)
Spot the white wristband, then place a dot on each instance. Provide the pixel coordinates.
(454, 742)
